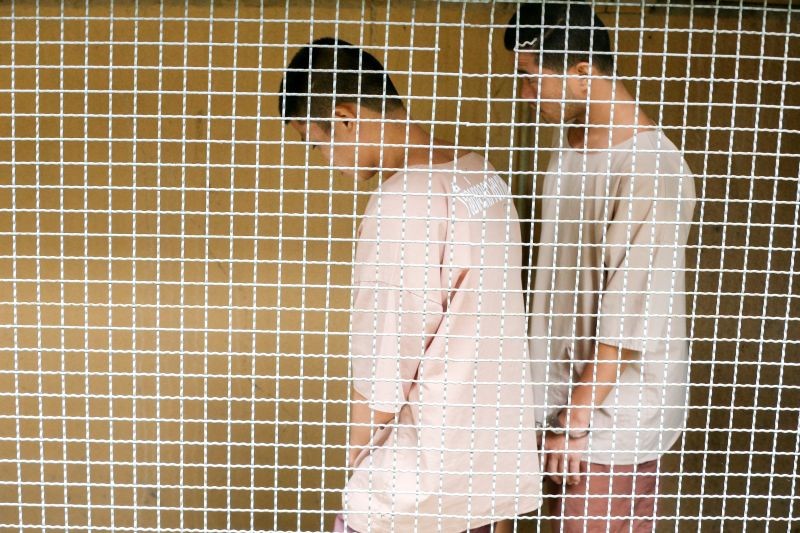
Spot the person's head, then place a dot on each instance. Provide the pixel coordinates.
(336, 95)
(560, 48)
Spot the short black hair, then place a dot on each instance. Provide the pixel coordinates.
(563, 34)
(329, 72)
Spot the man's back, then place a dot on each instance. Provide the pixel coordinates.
(439, 338)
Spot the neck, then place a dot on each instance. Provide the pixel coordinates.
(611, 117)
(408, 143)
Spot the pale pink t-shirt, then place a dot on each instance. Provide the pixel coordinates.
(439, 338)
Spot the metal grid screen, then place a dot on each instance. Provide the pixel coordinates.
(176, 266)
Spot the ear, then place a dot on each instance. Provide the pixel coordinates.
(580, 74)
(346, 115)
(582, 69)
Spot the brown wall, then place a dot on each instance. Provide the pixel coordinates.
(163, 348)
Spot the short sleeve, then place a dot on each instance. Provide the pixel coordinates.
(642, 255)
(397, 296)
(391, 328)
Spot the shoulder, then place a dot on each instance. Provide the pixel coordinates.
(426, 190)
(650, 162)
(648, 152)
(415, 195)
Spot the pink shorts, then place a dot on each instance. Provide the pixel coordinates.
(339, 527)
(608, 498)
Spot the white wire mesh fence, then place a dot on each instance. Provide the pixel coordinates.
(176, 264)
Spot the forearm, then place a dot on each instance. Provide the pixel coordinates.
(598, 379)
(565, 448)
(363, 423)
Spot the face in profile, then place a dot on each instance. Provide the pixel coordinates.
(339, 145)
(555, 96)
(318, 137)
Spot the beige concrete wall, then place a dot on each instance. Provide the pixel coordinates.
(155, 331)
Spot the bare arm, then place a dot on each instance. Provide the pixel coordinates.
(363, 422)
(597, 380)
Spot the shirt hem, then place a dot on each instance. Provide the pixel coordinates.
(507, 512)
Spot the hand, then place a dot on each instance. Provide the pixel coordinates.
(563, 457)
(354, 452)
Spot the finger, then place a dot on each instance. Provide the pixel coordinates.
(559, 468)
(574, 466)
(552, 467)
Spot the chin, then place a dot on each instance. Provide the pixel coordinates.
(363, 175)
(347, 172)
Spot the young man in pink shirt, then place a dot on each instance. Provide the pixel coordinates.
(608, 331)
(442, 434)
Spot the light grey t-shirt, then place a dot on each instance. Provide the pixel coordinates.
(610, 269)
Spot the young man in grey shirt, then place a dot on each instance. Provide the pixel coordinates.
(608, 334)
